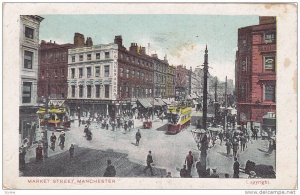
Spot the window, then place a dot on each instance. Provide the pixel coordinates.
(106, 71)
(106, 55)
(80, 57)
(121, 72)
(88, 91)
(80, 72)
(55, 74)
(73, 73)
(88, 72)
(73, 58)
(97, 56)
(127, 73)
(29, 32)
(28, 56)
(269, 92)
(106, 91)
(138, 74)
(269, 63)
(62, 72)
(26, 94)
(97, 91)
(97, 71)
(132, 73)
(89, 56)
(73, 90)
(80, 91)
(270, 37)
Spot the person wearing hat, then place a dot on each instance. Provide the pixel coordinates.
(149, 161)
(110, 170)
(71, 150)
(62, 139)
(236, 168)
(138, 136)
(189, 161)
(169, 175)
(214, 174)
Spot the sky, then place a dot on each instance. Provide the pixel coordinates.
(181, 37)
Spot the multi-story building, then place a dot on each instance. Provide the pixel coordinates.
(29, 44)
(92, 76)
(170, 84)
(135, 78)
(182, 82)
(160, 76)
(53, 70)
(255, 70)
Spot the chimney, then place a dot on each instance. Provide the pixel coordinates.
(267, 20)
(89, 42)
(118, 40)
(165, 58)
(78, 40)
(133, 48)
(143, 50)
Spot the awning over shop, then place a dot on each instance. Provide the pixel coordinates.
(168, 102)
(145, 102)
(159, 102)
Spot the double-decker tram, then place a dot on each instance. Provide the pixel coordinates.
(179, 117)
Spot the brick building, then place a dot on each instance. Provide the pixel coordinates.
(182, 82)
(160, 76)
(255, 70)
(53, 70)
(170, 84)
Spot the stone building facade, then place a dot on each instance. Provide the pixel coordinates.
(29, 44)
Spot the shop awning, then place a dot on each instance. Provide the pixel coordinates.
(159, 102)
(145, 102)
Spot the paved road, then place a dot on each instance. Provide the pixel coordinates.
(169, 151)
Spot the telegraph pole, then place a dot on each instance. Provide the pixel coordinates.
(216, 97)
(205, 71)
(226, 104)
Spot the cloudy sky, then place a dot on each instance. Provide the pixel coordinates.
(181, 37)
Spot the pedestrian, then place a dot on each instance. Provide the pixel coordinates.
(228, 146)
(45, 148)
(168, 175)
(71, 150)
(189, 161)
(79, 121)
(125, 126)
(221, 135)
(200, 169)
(52, 141)
(184, 172)
(235, 148)
(62, 139)
(243, 142)
(149, 161)
(110, 170)
(236, 168)
(106, 126)
(22, 154)
(214, 174)
(138, 136)
(39, 153)
(86, 129)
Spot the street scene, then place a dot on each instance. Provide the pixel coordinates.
(170, 99)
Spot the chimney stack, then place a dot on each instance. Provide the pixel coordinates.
(143, 50)
(79, 40)
(154, 55)
(89, 42)
(133, 48)
(118, 40)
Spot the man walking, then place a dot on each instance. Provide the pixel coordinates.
(149, 161)
(39, 153)
(62, 139)
(110, 170)
(235, 148)
(52, 141)
(221, 135)
(138, 136)
(236, 168)
(71, 150)
(189, 161)
(228, 147)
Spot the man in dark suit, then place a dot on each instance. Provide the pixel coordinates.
(149, 161)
